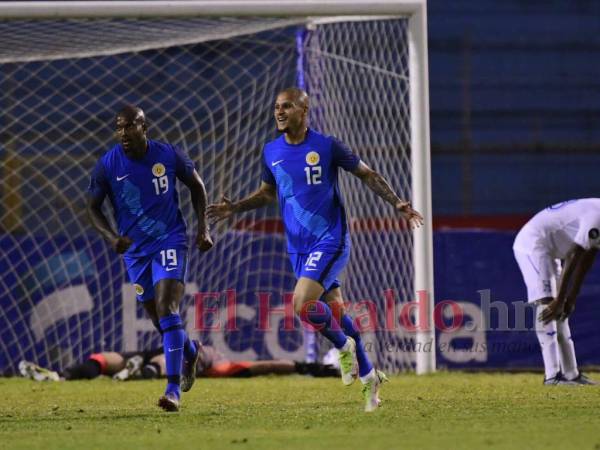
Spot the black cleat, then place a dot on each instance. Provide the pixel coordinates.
(583, 380)
(169, 402)
(188, 372)
(558, 380)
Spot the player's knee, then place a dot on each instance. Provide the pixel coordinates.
(299, 307)
(166, 308)
(303, 305)
(168, 296)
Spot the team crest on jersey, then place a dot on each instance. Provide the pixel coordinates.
(139, 290)
(158, 170)
(312, 158)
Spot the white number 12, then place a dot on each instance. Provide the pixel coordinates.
(313, 175)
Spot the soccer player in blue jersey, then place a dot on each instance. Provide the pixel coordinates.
(138, 176)
(300, 169)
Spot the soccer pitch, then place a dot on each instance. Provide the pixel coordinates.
(445, 410)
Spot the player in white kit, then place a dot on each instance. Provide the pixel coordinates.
(555, 250)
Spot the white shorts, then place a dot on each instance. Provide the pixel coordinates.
(540, 272)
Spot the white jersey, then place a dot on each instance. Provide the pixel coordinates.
(555, 230)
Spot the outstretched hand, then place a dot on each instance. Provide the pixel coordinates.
(413, 217)
(220, 211)
(121, 243)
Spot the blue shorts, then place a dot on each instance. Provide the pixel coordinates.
(145, 271)
(323, 267)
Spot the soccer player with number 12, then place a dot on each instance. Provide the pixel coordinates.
(300, 168)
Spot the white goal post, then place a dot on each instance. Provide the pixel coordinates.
(414, 10)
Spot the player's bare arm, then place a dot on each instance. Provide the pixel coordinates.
(119, 244)
(263, 196)
(199, 200)
(380, 186)
(577, 264)
(585, 264)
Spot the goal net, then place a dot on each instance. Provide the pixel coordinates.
(208, 86)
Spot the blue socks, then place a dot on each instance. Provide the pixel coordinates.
(173, 344)
(189, 349)
(318, 314)
(364, 364)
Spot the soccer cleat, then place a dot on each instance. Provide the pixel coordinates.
(348, 365)
(370, 390)
(188, 372)
(169, 402)
(37, 373)
(558, 380)
(133, 369)
(551, 381)
(582, 379)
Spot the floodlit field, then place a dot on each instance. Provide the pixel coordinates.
(445, 410)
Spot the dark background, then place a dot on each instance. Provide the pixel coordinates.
(515, 103)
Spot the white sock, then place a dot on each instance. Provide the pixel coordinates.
(547, 338)
(566, 350)
(367, 377)
(346, 346)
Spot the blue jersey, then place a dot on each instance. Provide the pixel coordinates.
(306, 177)
(143, 195)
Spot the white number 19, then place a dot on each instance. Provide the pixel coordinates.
(161, 185)
(169, 257)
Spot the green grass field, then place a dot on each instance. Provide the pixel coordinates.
(445, 410)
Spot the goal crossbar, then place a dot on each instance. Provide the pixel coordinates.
(190, 8)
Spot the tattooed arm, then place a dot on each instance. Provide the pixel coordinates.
(382, 188)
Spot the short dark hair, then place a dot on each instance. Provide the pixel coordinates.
(132, 112)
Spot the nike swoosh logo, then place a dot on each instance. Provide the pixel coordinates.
(175, 349)
(168, 269)
(276, 162)
(122, 178)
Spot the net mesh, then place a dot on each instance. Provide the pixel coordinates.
(357, 76)
(207, 86)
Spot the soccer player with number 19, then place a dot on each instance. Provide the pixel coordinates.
(138, 175)
(300, 169)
